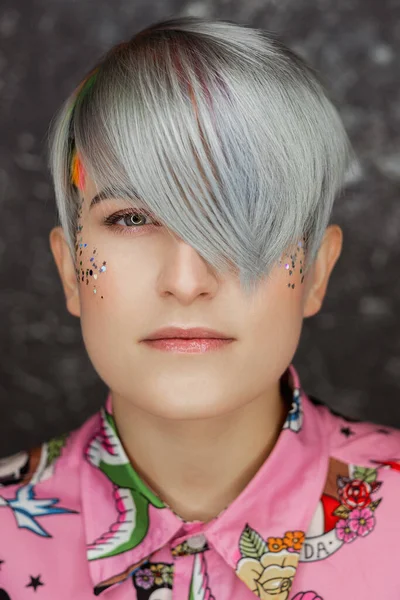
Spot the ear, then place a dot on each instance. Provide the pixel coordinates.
(321, 270)
(66, 269)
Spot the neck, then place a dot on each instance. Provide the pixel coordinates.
(180, 460)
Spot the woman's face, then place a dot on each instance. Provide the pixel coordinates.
(137, 276)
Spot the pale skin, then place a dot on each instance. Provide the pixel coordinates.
(197, 427)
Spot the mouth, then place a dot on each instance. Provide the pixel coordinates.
(187, 333)
(189, 340)
(189, 345)
(193, 340)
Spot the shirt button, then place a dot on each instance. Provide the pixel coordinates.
(197, 542)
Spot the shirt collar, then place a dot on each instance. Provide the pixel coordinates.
(263, 528)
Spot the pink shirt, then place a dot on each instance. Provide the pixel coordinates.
(320, 520)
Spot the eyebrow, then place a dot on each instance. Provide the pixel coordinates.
(108, 193)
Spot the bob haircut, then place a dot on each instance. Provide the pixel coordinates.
(217, 129)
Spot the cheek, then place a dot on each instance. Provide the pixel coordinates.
(280, 298)
(114, 320)
(276, 314)
(280, 319)
(115, 297)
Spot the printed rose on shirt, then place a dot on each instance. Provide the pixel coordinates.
(357, 493)
(357, 505)
(268, 567)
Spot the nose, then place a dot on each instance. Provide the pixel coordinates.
(185, 274)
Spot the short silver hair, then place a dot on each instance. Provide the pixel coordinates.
(221, 131)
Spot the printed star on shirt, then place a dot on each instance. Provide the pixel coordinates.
(35, 582)
(347, 431)
(1, 562)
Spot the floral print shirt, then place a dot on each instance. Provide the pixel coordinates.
(319, 520)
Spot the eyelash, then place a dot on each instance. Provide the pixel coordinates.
(112, 220)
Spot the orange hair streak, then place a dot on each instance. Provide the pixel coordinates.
(77, 171)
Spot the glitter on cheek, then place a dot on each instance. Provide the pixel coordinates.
(93, 268)
(80, 245)
(291, 265)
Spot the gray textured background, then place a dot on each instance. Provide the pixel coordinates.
(349, 355)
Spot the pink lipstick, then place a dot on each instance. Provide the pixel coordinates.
(189, 340)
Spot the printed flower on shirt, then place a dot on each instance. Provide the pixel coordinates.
(344, 532)
(294, 540)
(357, 493)
(357, 505)
(162, 573)
(361, 521)
(345, 512)
(268, 567)
(153, 581)
(144, 578)
(275, 544)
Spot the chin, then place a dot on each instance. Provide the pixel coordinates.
(187, 409)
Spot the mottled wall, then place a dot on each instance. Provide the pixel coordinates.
(350, 353)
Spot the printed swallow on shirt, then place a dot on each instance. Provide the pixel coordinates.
(27, 508)
(30, 468)
(132, 497)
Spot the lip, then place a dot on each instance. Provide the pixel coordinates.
(188, 345)
(187, 333)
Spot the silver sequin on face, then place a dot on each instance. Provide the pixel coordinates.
(293, 261)
(92, 271)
